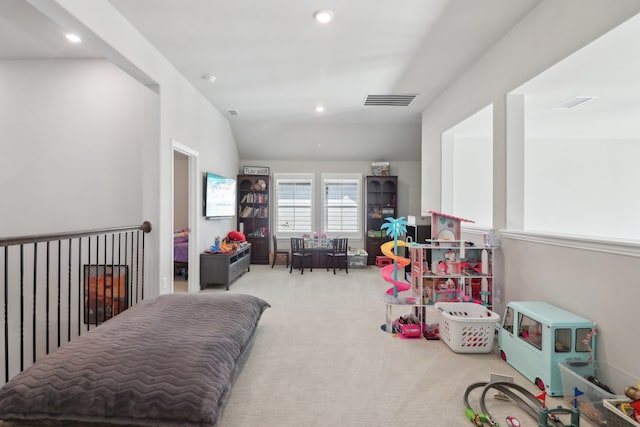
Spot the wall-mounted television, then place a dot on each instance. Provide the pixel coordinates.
(219, 196)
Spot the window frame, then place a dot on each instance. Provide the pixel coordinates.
(301, 177)
(359, 208)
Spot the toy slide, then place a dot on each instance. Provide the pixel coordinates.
(387, 270)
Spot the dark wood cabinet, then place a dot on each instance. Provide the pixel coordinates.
(253, 214)
(223, 269)
(382, 202)
(259, 250)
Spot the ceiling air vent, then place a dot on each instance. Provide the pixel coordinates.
(389, 100)
(572, 102)
(232, 112)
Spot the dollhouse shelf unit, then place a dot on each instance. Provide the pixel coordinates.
(444, 269)
(454, 272)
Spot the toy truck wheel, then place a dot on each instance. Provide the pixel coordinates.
(503, 355)
(540, 384)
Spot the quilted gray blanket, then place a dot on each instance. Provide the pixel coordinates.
(169, 361)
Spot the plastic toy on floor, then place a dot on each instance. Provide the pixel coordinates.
(431, 331)
(526, 400)
(407, 326)
(512, 421)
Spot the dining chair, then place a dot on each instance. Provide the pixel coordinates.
(277, 252)
(338, 254)
(298, 252)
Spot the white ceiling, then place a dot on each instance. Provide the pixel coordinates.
(274, 64)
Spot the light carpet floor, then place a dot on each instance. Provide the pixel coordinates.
(319, 358)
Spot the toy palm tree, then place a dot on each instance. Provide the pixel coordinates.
(395, 228)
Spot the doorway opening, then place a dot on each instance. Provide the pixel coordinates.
(185, 219)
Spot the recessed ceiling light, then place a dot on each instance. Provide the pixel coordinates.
(73, 38)
(323, 15)
(319, 108)
(209, 77)
(572, 102)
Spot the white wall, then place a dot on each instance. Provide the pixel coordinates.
(597, 285)
(71, 147)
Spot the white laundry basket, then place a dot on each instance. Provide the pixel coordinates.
(467, 327)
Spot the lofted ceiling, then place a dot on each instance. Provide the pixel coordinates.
(274, 64)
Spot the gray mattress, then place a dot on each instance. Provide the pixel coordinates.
(169, 361)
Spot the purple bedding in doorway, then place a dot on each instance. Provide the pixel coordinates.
(180, 251)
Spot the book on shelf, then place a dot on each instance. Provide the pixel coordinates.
(254, 198)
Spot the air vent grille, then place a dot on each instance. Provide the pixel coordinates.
(232, 112)
(572, 102)
(389, 100)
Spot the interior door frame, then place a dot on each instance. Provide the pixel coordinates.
(193, 183)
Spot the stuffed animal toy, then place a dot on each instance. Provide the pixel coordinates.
(236, 236)
(227, 247)
(261, 185)
(215, 248)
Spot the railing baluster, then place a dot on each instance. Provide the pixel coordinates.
(137, 291)
(120, 284)
(114, 311)
(142, 263)
(46, 299)
(69, 293)
(59, 287)
(35, 288)
(97, 275)
(87, 286)
(21, 307)
(128, 284)
(104, 281)
(6, 314)
(95, 303)
(138, 263)
(80, 288)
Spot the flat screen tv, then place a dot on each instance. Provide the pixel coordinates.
(219, 198)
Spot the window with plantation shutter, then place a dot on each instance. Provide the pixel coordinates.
(341, 204)
(294, 204)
